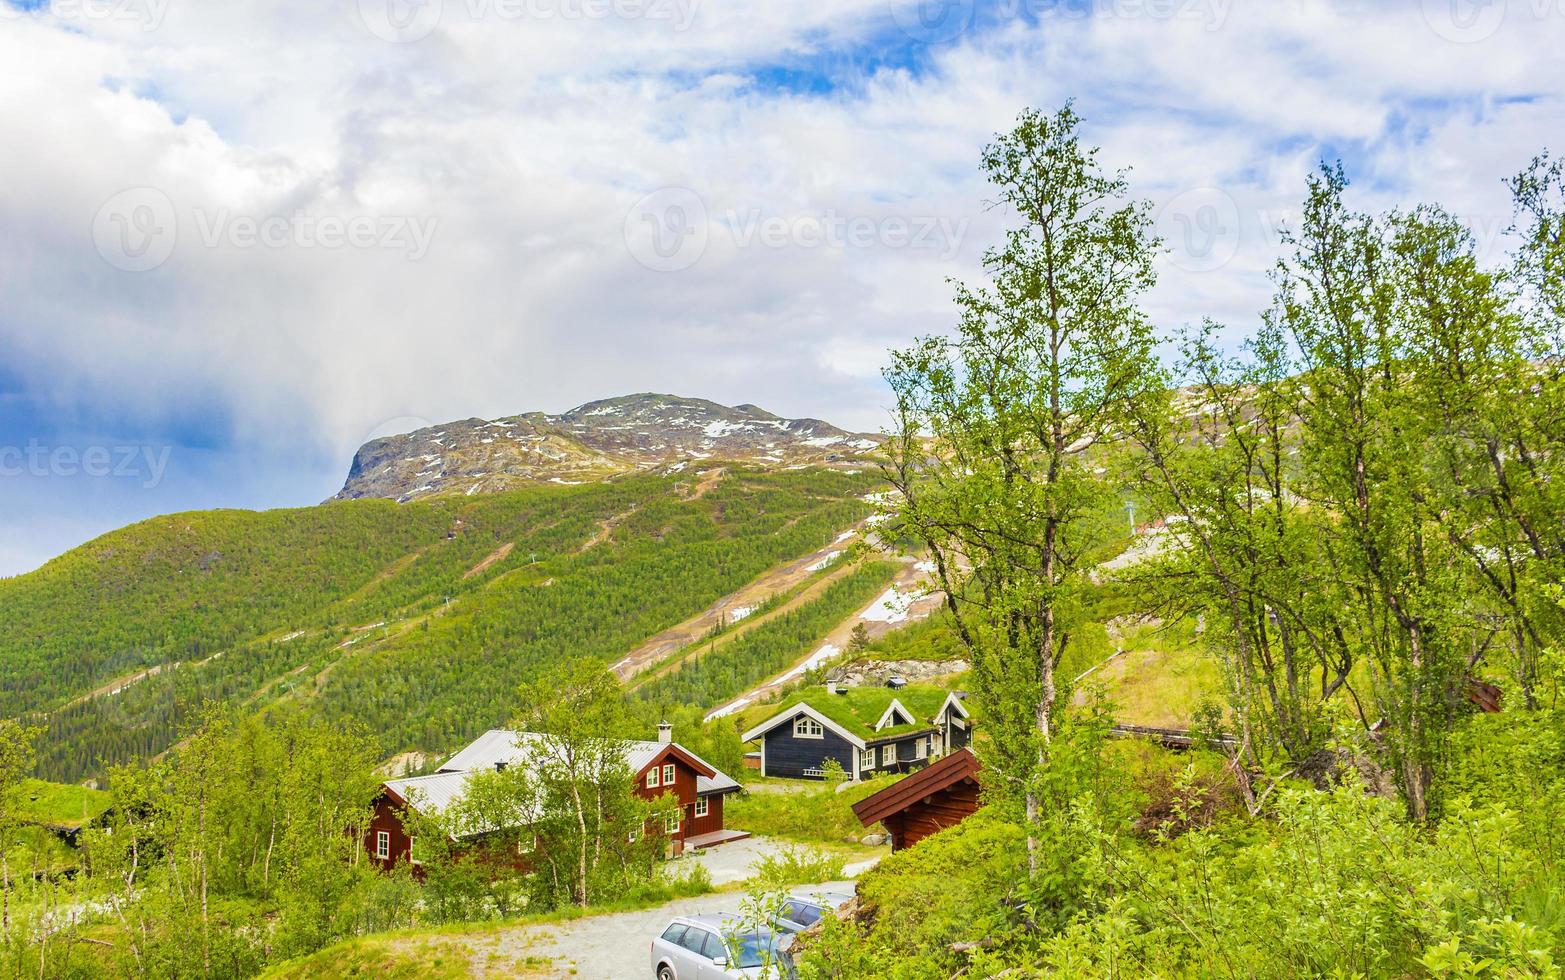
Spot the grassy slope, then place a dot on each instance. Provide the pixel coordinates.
(58, 804)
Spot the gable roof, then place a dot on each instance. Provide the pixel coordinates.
(856, 715)
(893, 711)
(435, 794)
(520, 748)
(939, 775)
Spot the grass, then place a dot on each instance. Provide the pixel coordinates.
(59, 804)
(1160, 680)
(436, 952)
(859, 709)
(817, 815)
(391, 957)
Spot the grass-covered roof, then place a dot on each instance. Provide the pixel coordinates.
(858, 709)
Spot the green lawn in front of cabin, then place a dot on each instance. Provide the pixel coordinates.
(59, 804)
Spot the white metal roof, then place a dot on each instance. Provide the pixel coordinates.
(435, 794)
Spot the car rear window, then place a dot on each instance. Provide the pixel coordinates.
(804, 915)
(694, 940)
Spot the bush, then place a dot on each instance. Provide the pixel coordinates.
(798, 866)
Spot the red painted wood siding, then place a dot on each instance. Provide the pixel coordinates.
(387, 817)
(945, 808)
(712, 821)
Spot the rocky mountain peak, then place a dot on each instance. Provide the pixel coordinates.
(595, 441)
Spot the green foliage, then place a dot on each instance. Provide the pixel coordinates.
(797, 865)
(817, 814)
(931, 639)
(1338, 883)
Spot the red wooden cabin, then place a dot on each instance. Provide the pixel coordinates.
(661, 768)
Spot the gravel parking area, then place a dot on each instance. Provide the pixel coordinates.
(616, 947)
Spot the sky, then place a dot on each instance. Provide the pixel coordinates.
(238, 239)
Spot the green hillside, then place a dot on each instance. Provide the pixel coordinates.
(418, 620)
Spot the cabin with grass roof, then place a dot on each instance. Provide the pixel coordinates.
(868, 731)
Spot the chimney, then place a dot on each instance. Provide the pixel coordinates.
(499, 766)
(665, 732)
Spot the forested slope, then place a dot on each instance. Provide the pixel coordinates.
(418, 620)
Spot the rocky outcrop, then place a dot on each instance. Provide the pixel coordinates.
(876, 673)
(597, 441)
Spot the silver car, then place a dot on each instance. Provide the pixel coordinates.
(803, 909)
(706, 947)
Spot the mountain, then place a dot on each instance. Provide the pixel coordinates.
(597, 441)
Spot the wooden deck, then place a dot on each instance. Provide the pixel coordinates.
(715, 838)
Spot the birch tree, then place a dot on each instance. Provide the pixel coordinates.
(1001, 427)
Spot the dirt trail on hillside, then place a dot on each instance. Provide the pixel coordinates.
(913, 598)
(781, 579)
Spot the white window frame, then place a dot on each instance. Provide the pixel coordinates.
(669, 773)
(703, 807)
(921, 749)
(867, 759)
(383, 845)
(806, 727)
(888, 755)
(672, 824)
(632, 837)
(652, 778)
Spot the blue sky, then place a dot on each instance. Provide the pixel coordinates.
(242, 238)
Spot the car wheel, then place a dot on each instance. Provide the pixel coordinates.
(665, 972)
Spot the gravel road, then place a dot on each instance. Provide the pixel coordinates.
(604, 947)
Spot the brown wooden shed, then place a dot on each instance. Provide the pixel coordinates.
(938, 796)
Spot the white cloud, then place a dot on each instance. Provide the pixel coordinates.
(525, 142)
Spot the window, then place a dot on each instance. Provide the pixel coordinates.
(714, 946)
(632, 837)
(806, 727)
(921, 749)
(703, 807)
(695, 940)
(652, 778)
(888, 755)
(668, 774)
(867, 759)
(382, 844)
(804, 914)
(672, 824)
(674, 933)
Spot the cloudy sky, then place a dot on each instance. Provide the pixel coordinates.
(238, 238)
